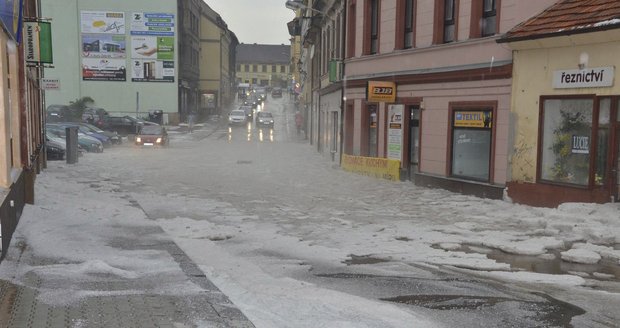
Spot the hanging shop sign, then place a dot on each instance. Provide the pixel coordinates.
(38, 42)
(473, 119)
(381, 91)
(584, 78)
(11, 17)
(395, 132)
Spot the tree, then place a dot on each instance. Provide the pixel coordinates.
(76, 107)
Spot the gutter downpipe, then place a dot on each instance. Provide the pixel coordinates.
(343, 85)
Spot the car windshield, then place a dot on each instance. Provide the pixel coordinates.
(264, 115)
(310, 163)
(151, 129)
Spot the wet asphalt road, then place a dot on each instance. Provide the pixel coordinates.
(449, 297)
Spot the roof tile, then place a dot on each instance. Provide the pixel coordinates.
(569, 15)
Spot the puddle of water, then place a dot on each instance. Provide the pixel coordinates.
(555, 265)
(363, 259)
(447, 302)
(555, 313)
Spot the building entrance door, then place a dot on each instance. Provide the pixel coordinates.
(615, 172)
(414, 139)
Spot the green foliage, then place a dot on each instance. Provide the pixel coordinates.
(76, 108)
(570, 167)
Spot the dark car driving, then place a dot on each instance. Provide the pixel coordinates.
(152, 135)
(264, 119)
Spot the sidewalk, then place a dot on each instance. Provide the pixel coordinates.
(91, 257)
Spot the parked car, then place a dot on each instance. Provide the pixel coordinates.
(237, 117)
(95, 116)
(264, 119)
(125, 125)
(54, 149)
(88, 143)
(113, 136)
(105, 140)
(276, 93)
(57, 113)
(59, 144)
(152, 135)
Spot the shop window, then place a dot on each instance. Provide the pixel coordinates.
(566, 132)
(471, 143)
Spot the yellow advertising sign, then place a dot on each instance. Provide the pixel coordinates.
(473, 119)
(381, 91)
(382, 168)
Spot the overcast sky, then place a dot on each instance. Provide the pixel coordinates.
(255, 21)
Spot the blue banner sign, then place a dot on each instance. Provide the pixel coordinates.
(11, 17)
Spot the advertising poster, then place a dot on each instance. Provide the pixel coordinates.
(152, 70)
(395, 132)
(152, 47)
(103, 45)
(103, 69)
(152, 24)
(102, 22)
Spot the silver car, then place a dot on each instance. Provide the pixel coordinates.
(237, 117)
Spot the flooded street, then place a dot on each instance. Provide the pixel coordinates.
(262, 198)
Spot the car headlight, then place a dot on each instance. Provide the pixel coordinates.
(138, 139)
(158, 140)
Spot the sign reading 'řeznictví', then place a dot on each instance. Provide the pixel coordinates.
(584, 78)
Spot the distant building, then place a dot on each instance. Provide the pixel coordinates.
(110, 52)
(217, 62)
(263, 64)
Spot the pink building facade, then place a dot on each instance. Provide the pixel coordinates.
(452, 84)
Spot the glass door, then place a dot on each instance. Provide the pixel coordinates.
(414, 139)
(372, 130)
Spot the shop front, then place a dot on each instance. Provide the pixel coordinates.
(567, 122)
(441, 139)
